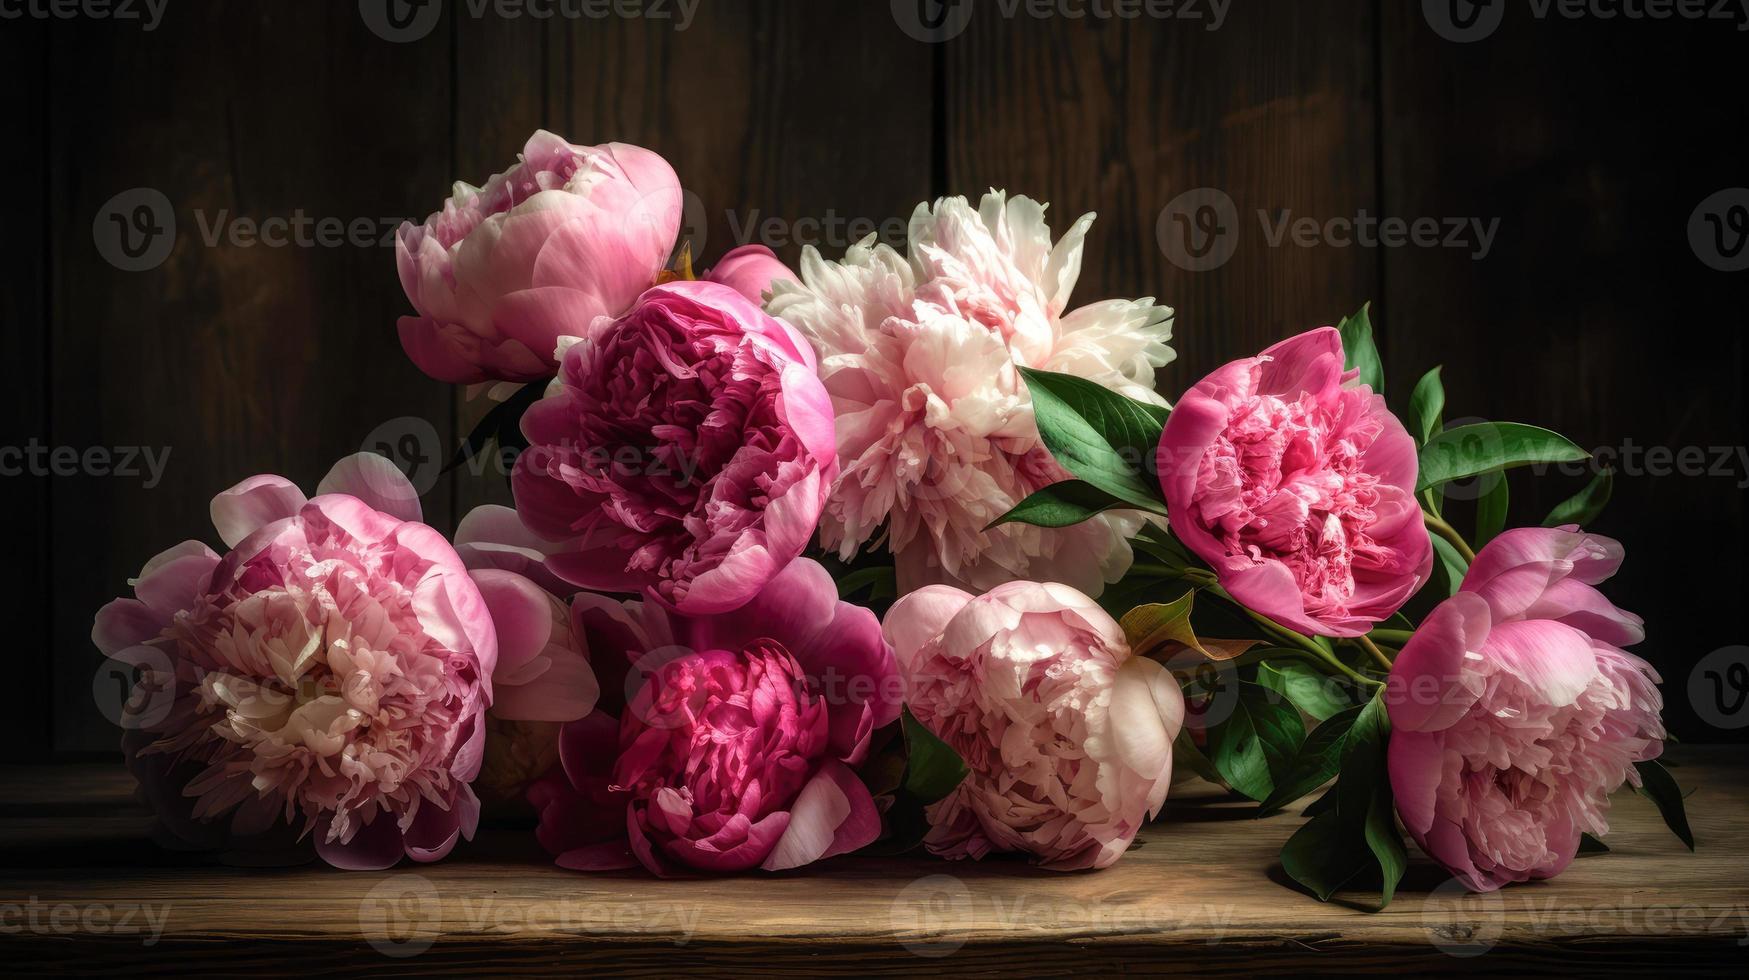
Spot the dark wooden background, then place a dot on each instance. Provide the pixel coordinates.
(1591, 141)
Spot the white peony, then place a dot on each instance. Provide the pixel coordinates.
(935, 430)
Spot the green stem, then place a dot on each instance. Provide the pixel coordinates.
(1304, 644)
(1372, 648)
(1395, 638)
(1438, 526)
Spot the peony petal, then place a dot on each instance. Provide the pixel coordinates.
(1555, 660)
(376, 481)
(376, 846)
(919, 617)
(522, 616)
(833, 815)
(254, 504)
(1416, 763)
(1431, 686)
(124, 623)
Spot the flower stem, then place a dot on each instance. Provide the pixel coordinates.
(1438, 526)
(1395, 638)
(1304, 644)
(1369, 646)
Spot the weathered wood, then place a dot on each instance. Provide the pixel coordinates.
(236, 358)
(1274, 110)
(1201, 893)
(1591, 142)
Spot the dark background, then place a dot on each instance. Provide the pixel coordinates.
(1592, 141)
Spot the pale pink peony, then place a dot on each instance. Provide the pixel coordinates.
(751, 270)
(542, 680)
(1298, 487)
(734, 748)
(1514, 713)
(328, 676)
(685, 450)
(935, 429)
(502, 272)
(1068, 737)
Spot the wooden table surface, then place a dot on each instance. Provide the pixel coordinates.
(83, 888)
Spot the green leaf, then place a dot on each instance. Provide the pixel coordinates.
(1306, 688)
(1448, 570)
(1583, 507)
(1360, 350)
(934, 768)
(1134, 590)
(1657, 785)
(1491, 511)
(1059, 505)
(1591, 845)
(1186, 755)
(1360, 831)
(1316, 763)
(1153, 625)
(1320, 855)
(1099, 435)
(1257, 743)
(878, 580)
(1427, 408)
(1471, 450)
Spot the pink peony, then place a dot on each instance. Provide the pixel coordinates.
(1068, 737)
(1514, 713)
(328, 675)
(1298, 488)
(542, 680)
(935, 428)
(751, 270)
(502, 272)
(734, 746)
(685, 449)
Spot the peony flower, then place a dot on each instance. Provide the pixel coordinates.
(1067, 737)
(502, 272)
(1298, 487)
(542, 680)
(327, 677)
(751, 270)
(935, 429)
(685, 450)
(735, 746)
(1514, 712)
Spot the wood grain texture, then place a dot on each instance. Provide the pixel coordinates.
(1275, 110)
(1200, 893)
(24, 335)
(236, 359)
(1591, 315)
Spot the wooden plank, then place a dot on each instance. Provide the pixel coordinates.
(235, 359)
(1201, 893)
(24, 494)
(1592, 314)
(1272, 112)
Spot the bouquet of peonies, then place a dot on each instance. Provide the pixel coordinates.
(900, 551)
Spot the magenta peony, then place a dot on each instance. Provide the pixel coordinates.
(935, 428)
(326, 677)
(502, 272)
(751, 270)
(685, 450)
(1514, 713)
(1068, 737)
(1298, 487)
(735, 743)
